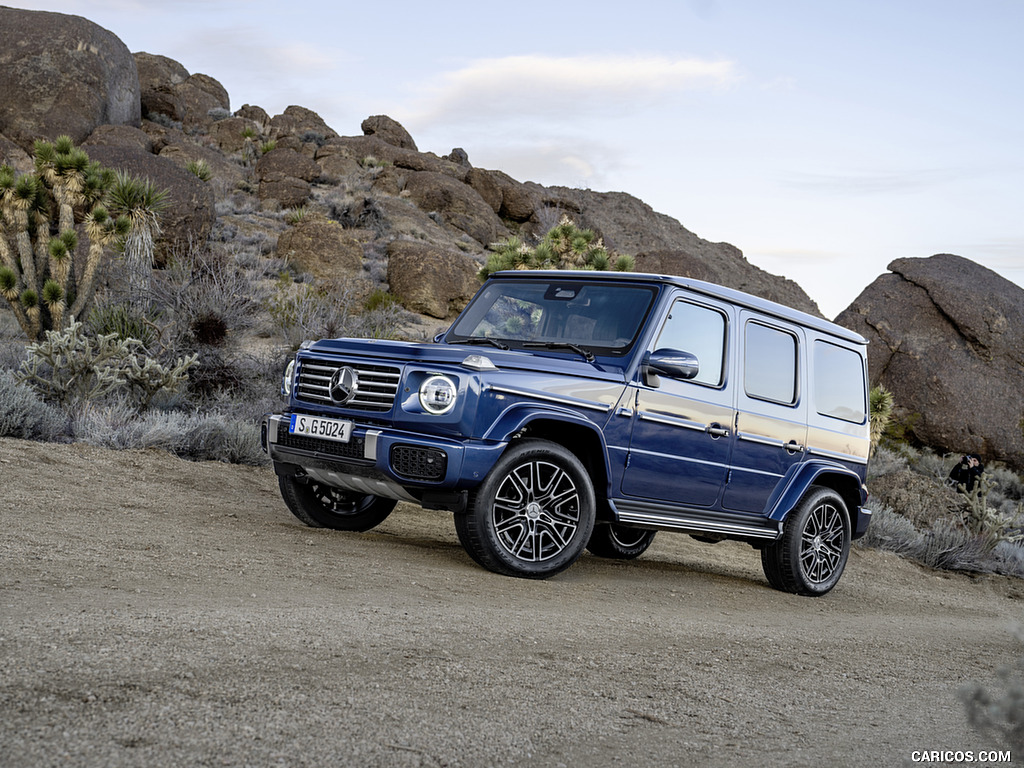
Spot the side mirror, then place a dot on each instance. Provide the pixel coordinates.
(673, 363)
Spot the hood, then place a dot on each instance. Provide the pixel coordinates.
(424, 353)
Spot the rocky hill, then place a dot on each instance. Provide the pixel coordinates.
(380, 213)
(146, 113)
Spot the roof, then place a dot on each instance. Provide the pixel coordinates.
(731, 295)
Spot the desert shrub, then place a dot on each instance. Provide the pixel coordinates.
(303, 311)
(203, 300)
(999, 713)
(885, 461)
(194, 436)
(201, 169)
(123, 321)
(24, 415)
(891, 532)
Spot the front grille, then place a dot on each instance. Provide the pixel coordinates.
(353, 449)
(378, 384)
(419, 463)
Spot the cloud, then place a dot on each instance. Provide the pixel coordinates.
(563, 88)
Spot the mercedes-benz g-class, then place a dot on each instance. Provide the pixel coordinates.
(565, 411)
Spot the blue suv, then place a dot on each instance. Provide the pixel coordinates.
(568, 410)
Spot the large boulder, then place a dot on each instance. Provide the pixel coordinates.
(188, 219)
(62, 74)
(167, 88)
(457, 204)
(947, 339)
(388, 130)
(300, 123)
(431, 280)
(322, 248)
(159, 77)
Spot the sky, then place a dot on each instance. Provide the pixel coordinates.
(822, 138)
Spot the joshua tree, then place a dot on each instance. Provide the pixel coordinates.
(39, 246)
(565, 246)
(141, 202)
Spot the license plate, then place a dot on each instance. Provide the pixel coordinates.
(315, 426)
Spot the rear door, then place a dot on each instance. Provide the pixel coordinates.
(682, 430)
(771, 410)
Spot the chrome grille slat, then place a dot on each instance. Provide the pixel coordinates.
(378, 385)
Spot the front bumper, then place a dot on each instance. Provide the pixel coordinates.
(408, 466)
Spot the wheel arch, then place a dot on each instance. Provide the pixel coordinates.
(576, 434)
(843, 481)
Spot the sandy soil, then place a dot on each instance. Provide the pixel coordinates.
(156, 612)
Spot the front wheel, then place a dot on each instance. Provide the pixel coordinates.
(619, 542)
(810, 556)
(532, 515)
(322, 506)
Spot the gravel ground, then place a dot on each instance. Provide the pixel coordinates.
(156, 612)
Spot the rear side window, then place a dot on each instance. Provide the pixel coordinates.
(770, 364)
(839, 389)
(701, 332)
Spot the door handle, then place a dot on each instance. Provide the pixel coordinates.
(717, 430)
(793, 447)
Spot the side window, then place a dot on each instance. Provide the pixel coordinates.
(770, 364)
(839, 382)
(700, 331)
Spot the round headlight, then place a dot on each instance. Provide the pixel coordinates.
(437, 394)
(286, 382)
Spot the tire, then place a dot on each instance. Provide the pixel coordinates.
(533, 514)
(619, 542)
(810, 556)
(322, 506)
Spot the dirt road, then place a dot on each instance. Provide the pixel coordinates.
(156, 612)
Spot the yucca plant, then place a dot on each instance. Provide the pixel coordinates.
(565, 246)
(141, 203)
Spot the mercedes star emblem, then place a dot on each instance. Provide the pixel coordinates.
(344, 385)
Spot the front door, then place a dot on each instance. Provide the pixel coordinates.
(682, 430)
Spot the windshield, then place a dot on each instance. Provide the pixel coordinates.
(600, 317)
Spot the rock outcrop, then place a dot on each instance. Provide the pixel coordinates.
(62, 74)
(947, 339)
(429, 280)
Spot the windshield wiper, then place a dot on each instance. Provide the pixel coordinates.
(585, 353)
(484, 340)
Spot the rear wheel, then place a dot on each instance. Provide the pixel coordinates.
(532, 515)
(619, 541)
(810, 556)
(322, 506)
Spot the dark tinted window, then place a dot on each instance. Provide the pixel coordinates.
(839, 389)
(700, 331)
(770, 364)
(601, 316)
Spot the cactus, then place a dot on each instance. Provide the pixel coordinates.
(565, 246)
(989, 525)
(46, 275)
(69, 367)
